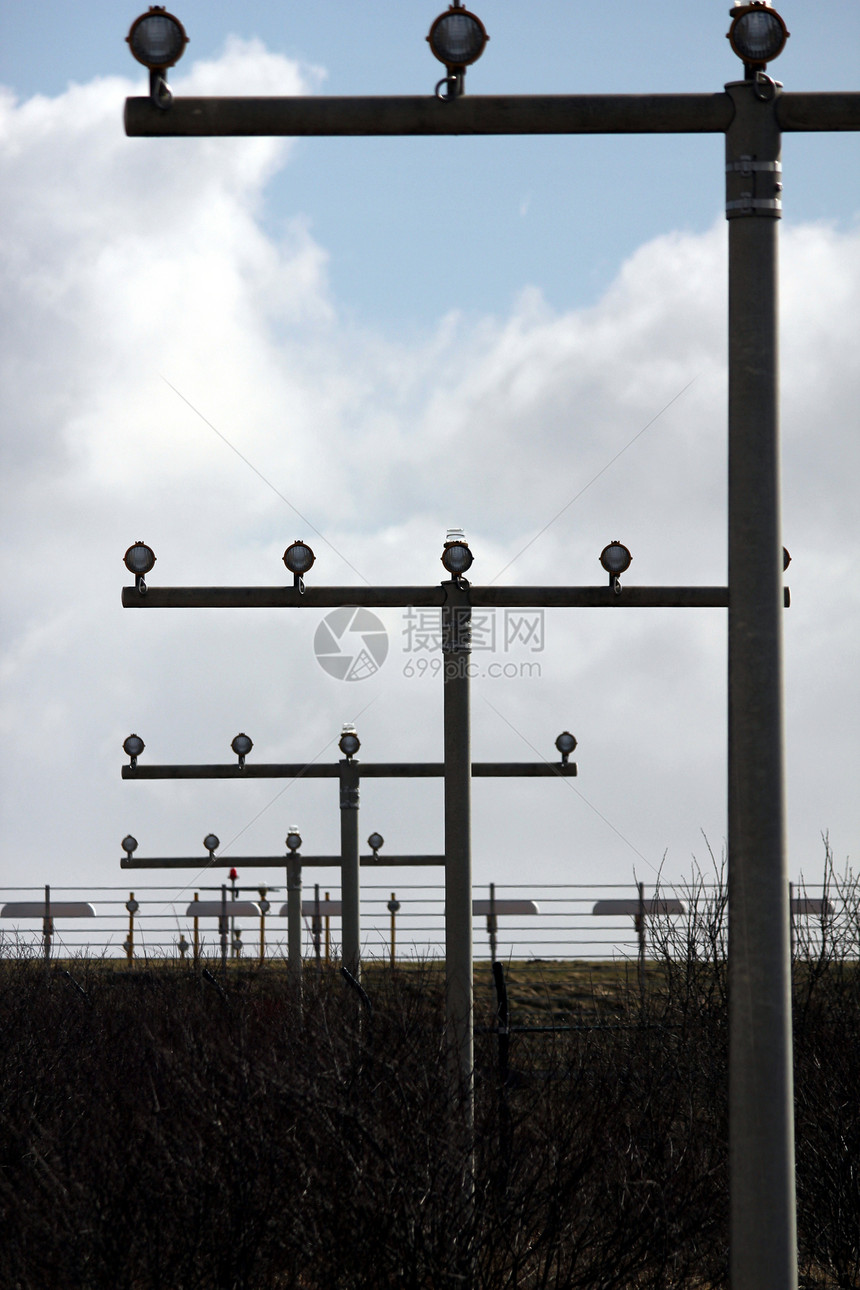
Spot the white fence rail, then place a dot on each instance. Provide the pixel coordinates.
(533, 922)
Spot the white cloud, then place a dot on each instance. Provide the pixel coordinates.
(125, 262)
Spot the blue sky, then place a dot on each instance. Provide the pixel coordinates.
(399, 336)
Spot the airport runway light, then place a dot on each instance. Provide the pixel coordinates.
(133, 746)
(299, 559)
(211, 842)
(456, 555)
(294, 841)
(157, 39)
(457, 38)
(349, 742)
(129, 845)
(241, 746)
(375, 841)
(616, 559)
(757, 35)
(139, 559)
(566, 743)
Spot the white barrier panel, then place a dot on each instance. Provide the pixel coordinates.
(57, 909)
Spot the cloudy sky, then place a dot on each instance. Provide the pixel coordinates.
(218, 346)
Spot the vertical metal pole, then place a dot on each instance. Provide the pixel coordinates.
(350, 884)
(196, 935)
(393, 906)
(492, 922)
(640, 927)
(327, 935)
(47, 928)
(222, 921)
(317, 925)
(791, 918)
(294, 917)
(761, 1130)
(129, 953)
(456, 642)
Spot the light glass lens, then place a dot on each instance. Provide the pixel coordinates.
(129, 843)
(457, 557)
(139, 558)
(758, 37)
(211, 842)
(349, 745)
(457, 39)
(615, 558)
(299, 557)
(242, 745)
(375, 841)
(157, 40)
(133, 746)
(565, 742)
(294, 840)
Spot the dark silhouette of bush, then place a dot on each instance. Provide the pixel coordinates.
(159, 1133)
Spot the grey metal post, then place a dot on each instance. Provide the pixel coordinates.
(492, 922)
(222, 927)
(47, 928)
(761, 1130)
(350, 873)
(640, 927)
(294, 917)
(456, 640)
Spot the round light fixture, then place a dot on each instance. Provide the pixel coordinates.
(757, 34)
(299, 558)
(349, 742)
(211, 842)
(456, 555)
(615, 559)
(157, 39)
(294, 840)
(139, 559)
(133, 746)
(241, 746)
(129, 844)
(565, 744)
(375, 841)
(457, 38)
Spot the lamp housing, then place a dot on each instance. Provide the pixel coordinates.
(566, 744)
(457, 38)
(129, 844)
(299, 558)
(133, 746)
(349, 742)
(211, 842)
(157, 39)
(375, 841)
(757, 34)
(242, 745)
(294, 840)
(456, 553)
